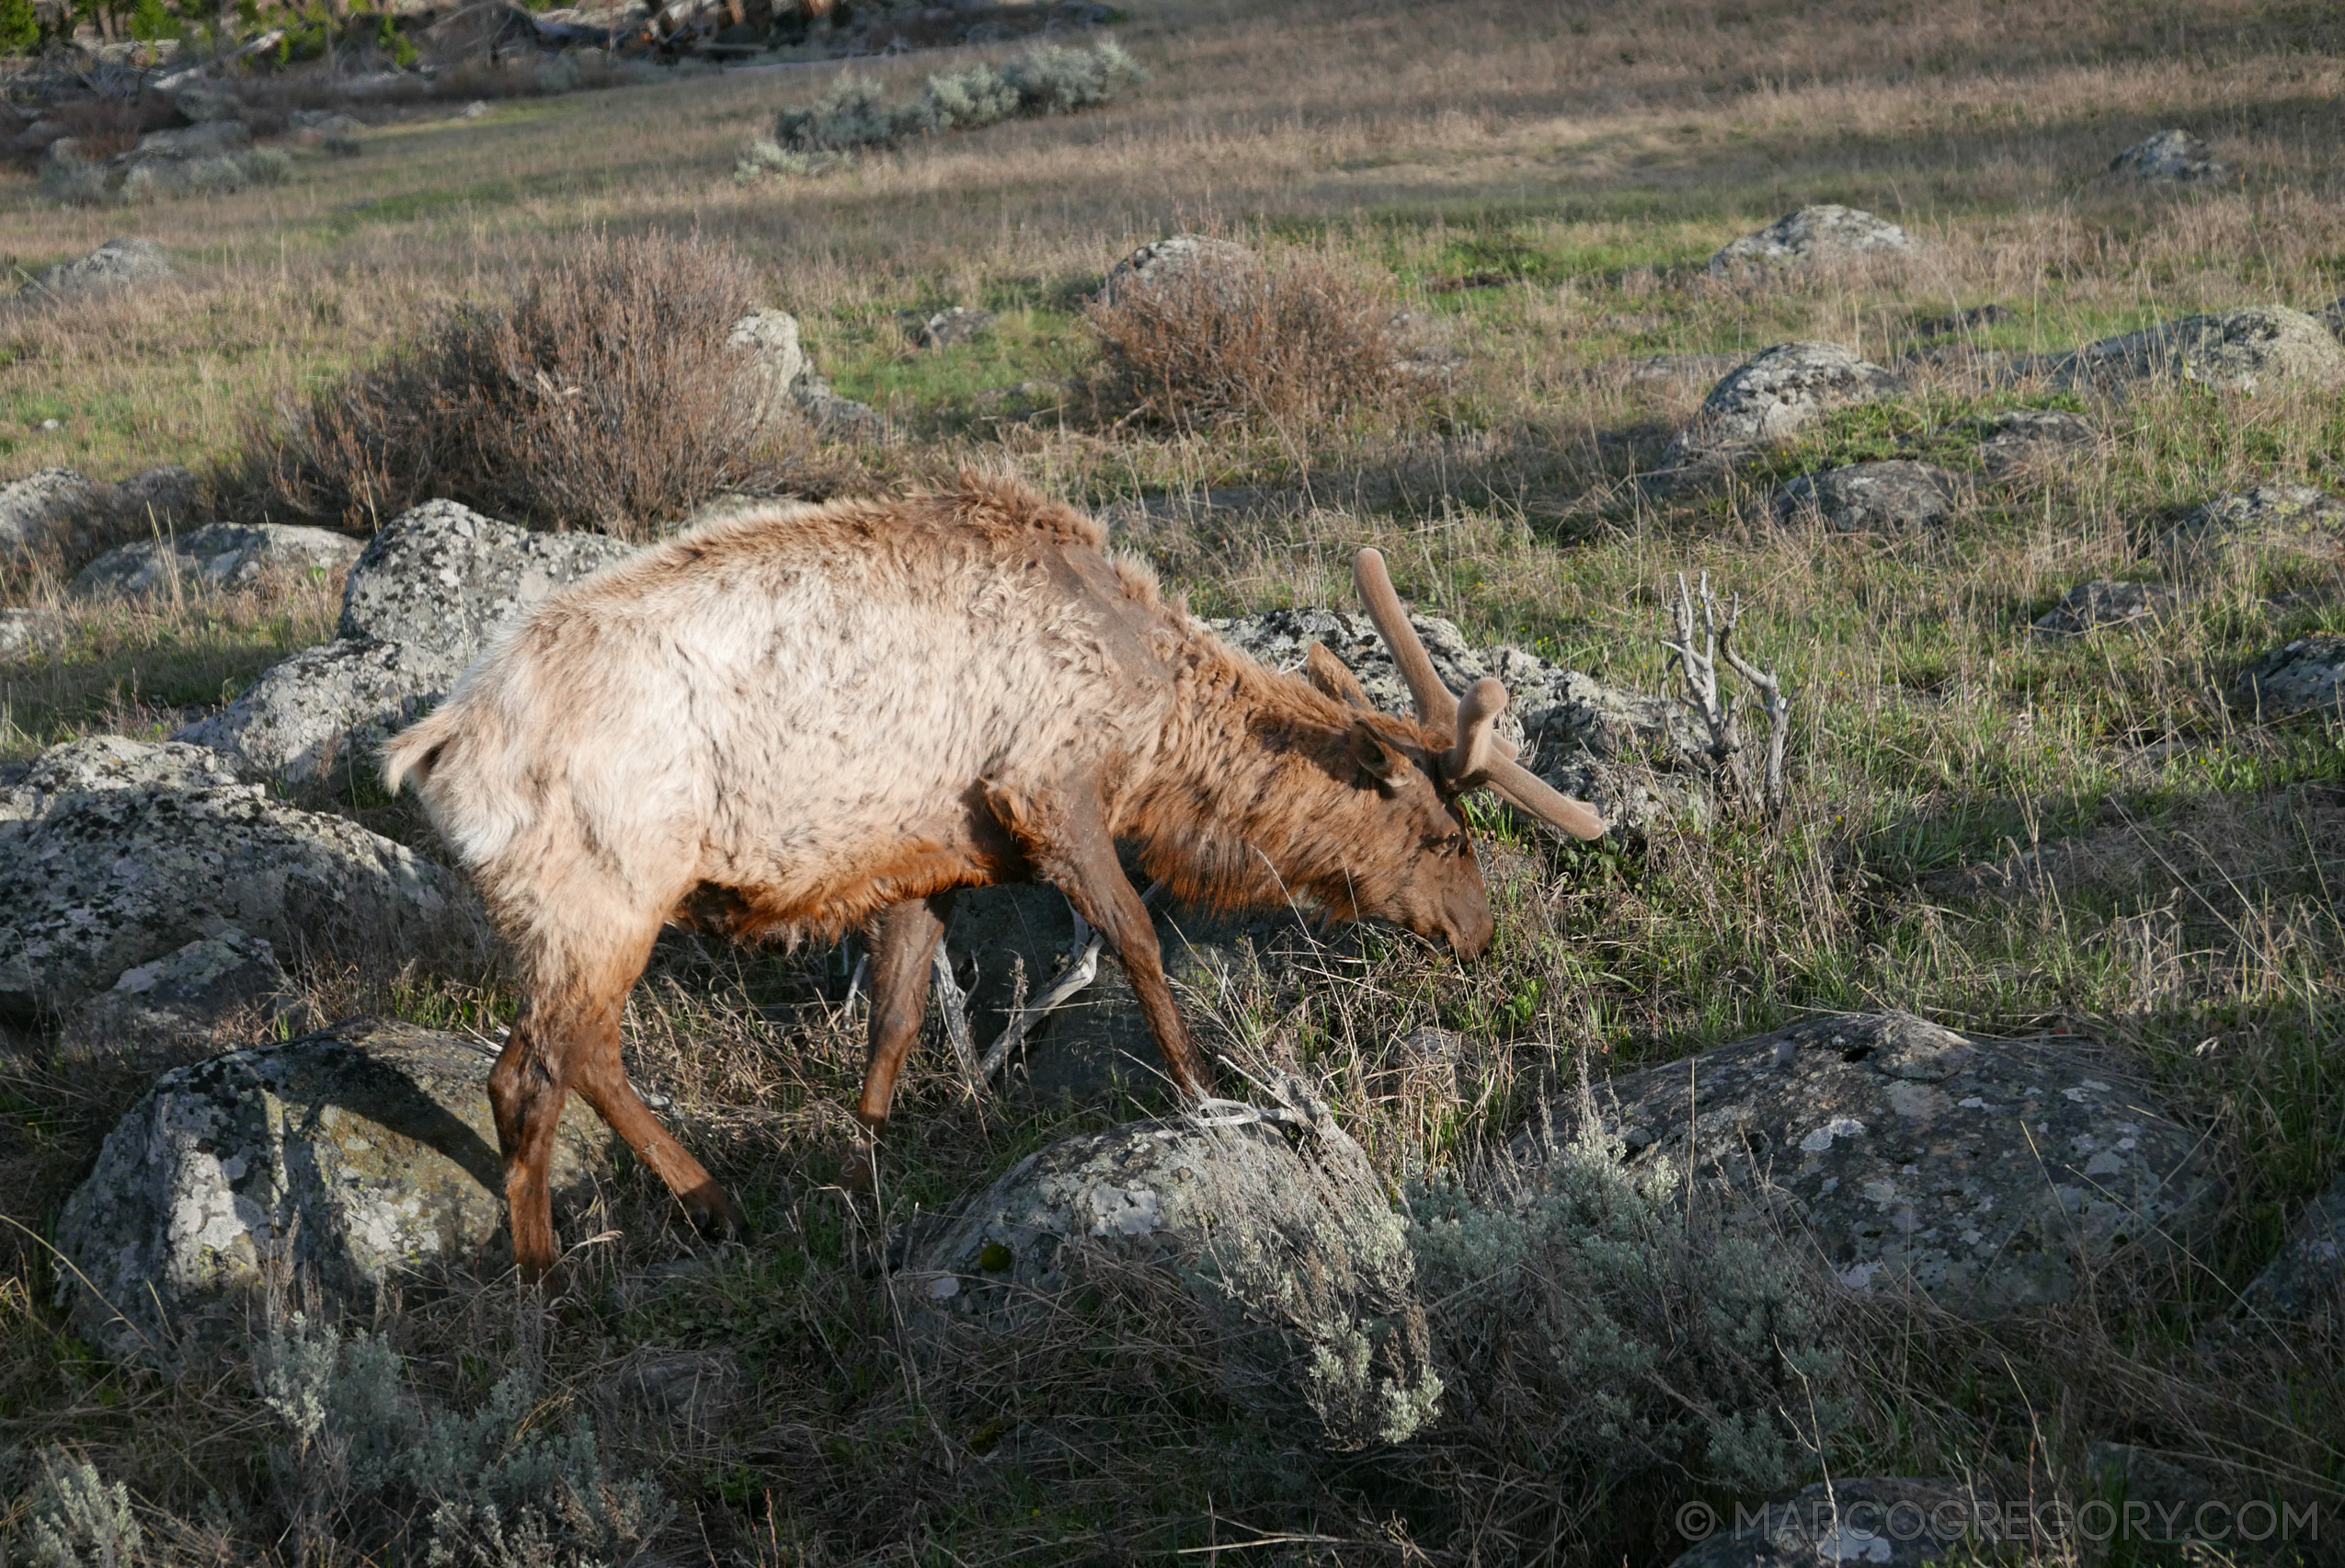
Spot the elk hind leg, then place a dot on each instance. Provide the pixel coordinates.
(526, 1090)
(602, 1080)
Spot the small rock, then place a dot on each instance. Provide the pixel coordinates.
(1769, 397)
(2294, 516)
(1987, 1175)
(1424, 346)
(115, 853)
(117, 265)
(840, 418)
(183, 994)
(1853, 1519)
(354, 1158)
(1300, 1241)
(2306, 676)
(201, 102)
(224, 554)
(1825, 233)
(1680, 367)
(776, 361)
(47, 427)
(951, 328)
(23, 631)
(2307, 1278)
(2090, 606)
(1895, 497)
(2169, 158)
(475, 109)
(311, 126)
(1182, 257)
(1963, 321)
(2018, 437)
(53, 510)
(2241, 350)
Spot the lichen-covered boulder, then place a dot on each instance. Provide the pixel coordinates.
(1572, 730)
(351, 1158)
(1893, 497)
(2306, 1280)
(1769, 397)
(49, 509)
(2240, 351)
(117, 265)
(2306, 676)
(2017, 439)
(2169, 158)
(1886, 1520)
(2090, 606)
(1299, 1239)
(224, 554)
(1185, 260)
(420, 603)
(1823, 233)
(183, 994)
(952, 328)
(114, 852)
(774, 361)
(1987, 1175)
(2289, 516)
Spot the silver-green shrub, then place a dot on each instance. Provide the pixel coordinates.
(499, 1487)
(77, 1520)
(1048, 79)
(1609, 1325)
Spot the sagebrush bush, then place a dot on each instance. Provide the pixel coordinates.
(1047, 80)
(1295, 342)
(77, 1520)
(1611, 1328)
(609, 395)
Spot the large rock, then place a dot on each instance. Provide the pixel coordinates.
(1893, 497)
(211, 158)
(2169, 158)
(117, 265)
(1770, 397)
(1570, 728)
(2240, 351)
(1851, 1519)
(199, 103)
(2307, 1280)
(67, 517)
(2288, 515)
(1989, 1176)
(775, 361)
(1298, 1240)
(353, 1159)
(422, 601)
(184, 995)
(2306, 676)
(2090, 606)
(1184, 257)
(116, 852)
(224, 554)
(1825, 233)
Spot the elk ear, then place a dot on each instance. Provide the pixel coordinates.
(1326, 672)
(1376, 760)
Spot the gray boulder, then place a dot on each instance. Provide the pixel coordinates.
(1824, 233)
(2169, 158)
(1296, 1245)
(182, 995)
(2019, 438)
(1771, 397)
(1570, 728)
(2306, 1280)
(355, 1159)
(224, 554)
(68, 516)
(335, 132)
(212, 158)
(116, 852)
(951, 328)
(117, 265)
(2306, 676)
(24, 631)
(1852, 1520)
(2240, 351)
(1989, 1176)
(201, 102)
(1181, 258)
(1895, 497)
(2090, 606)
(775, 361)
(2289, 516)
(422, 601)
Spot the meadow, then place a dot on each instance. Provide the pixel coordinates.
(1543, 182)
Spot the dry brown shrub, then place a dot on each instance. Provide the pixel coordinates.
(1294, 342)
(607, 396)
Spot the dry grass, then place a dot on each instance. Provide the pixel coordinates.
(1996, 830)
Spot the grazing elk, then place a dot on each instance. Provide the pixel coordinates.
(797, 720)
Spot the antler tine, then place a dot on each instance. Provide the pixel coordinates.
(1437, 704)
(1527, 792)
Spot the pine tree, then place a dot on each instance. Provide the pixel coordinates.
(150, 21)
(19, 28)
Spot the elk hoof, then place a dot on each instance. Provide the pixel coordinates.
(713, 1213)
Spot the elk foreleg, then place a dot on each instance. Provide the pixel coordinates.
(602, 1080)
(1068, 839)
(909, 934)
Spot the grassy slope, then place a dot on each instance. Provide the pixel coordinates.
(1589, 154)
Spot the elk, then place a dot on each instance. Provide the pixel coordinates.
(799, 720)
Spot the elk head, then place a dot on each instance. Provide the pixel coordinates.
(1434, 886)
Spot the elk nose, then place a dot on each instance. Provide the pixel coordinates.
(1471, 936)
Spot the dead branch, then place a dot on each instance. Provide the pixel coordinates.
(956, 1007)
(1723, 717)
(1079, 972)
